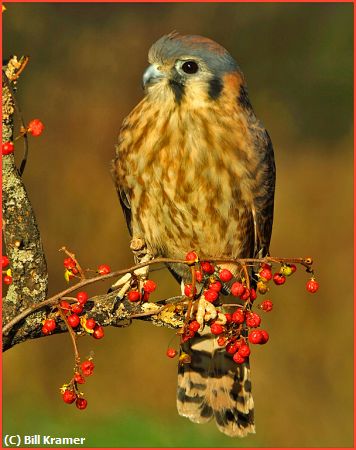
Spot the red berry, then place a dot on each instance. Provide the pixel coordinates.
(191, 256)
(171, 352)
(50, 324)
(238, 358)
(35, 127)
(73, 320)
(98, 332)
(266, 274)
(255, 337)
(265, 336)
(211, 295)
(7, 148)
(104, 269)
(81, 403)
(65, 306)
(198, 276)
(133, 296)
(45, 330)
(266, 305)
(207, 267)
(237, 289)
(79, 378)
(82, 297)
(188, 290)
(69, 396)
(75, 271)
(87, 367)
(194, 326)
(228, 317)
(69, 263)
(221, 341)
(216, 286)
(253, 320)
(293, 267)
(215, 328)
(5, 261)
(238, 316)
(90, 323)
(146, 296)
(312, 286)
(232, 347)
(266, 266)
(149, 286)
(245, 295)
(225, 275)
(189, 332)
(77, 308)
(244, 350)
(253, 295)
(279, 278)
(7, 279)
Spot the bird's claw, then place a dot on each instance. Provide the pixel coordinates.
(206, 311)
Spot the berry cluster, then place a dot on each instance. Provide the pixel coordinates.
(75, 317)
(70, 391)
(71, 269)
(134, 295)
(7, 278)
(236, 329)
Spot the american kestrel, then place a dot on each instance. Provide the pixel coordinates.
(195, 170)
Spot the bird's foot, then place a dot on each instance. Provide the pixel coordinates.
(137, 278)
(206, 311)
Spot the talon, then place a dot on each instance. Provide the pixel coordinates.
(221, 320)
(122, 292)
(121, 281)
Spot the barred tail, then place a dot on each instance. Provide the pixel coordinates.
(213, 385)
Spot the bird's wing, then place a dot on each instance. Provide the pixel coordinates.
(123, 194)
(263, 202)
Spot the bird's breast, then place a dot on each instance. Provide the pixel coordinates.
(189, 175)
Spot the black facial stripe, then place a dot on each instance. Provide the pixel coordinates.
(178, 89)
(243, 99)
(215, 88)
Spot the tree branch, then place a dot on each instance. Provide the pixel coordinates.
(21, 235)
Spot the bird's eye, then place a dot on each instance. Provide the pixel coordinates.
(190, 67)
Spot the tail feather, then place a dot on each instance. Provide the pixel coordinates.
(213, 385)
(193, 383)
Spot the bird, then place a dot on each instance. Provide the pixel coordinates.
(194, 169)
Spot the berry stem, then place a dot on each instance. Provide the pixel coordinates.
(72, 335)
(247, 276)
(72, 255)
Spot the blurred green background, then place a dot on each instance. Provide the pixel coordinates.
(84, 76)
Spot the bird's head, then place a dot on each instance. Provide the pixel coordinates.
(192, 68)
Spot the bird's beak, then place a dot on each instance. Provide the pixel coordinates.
(151, 75)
